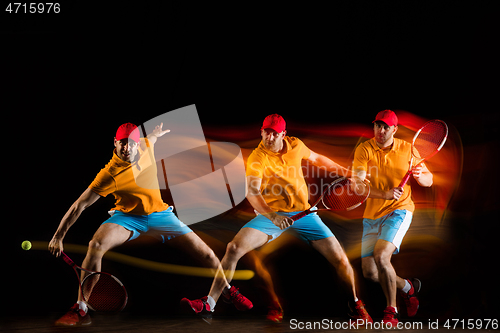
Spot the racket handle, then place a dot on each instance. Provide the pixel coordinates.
(405, 179)
(300, 215)
(67, 259)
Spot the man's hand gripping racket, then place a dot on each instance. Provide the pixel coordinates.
(426, 143)
(101, 291)
(343, 194)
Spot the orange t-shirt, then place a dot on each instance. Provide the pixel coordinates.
(387, 168)
(121, 179)
(283, 186)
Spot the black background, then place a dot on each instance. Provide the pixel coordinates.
(69, 80)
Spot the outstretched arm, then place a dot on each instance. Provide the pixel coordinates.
(157, 133)
(84, 201)
(331, 166)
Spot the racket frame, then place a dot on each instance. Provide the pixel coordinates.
(309, 211)
(410, 170)
(71, 263)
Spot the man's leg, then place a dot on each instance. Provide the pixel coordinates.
(369, 268)
(193, 245)
(321, 238)
(246, 240)
(393, 228)
(310, 228)
(387, 277)
(255, 233)
(330, 248)
(108, 236)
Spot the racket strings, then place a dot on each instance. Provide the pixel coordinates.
(343, 195)
(104, 293)
(429, 139)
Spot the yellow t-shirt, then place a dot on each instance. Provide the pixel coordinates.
(283, 186)
(119, 178)
(387, 168)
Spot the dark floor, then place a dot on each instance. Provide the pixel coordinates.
(222, 324)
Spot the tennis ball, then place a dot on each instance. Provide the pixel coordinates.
(26, 245)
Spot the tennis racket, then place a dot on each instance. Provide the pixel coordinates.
(101, 291)
(342, 194)
(426, 143)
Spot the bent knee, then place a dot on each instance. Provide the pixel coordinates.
(95, 244)
(342, 263)
(210, 258)
(370, 275)
(96, 248)
(234, 250)
(382, 259)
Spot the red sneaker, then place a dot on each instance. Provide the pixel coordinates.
(200, 307)
(275, 313)
(359, 312)
(234, 296)
(390, 317)
(74, 317)
(410, 298)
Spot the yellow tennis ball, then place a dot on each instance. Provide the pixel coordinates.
(26, 245)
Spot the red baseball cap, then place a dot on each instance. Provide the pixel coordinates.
(388, 117)
(128, 131)
(275, 122)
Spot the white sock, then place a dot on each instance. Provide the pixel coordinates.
(355, 299)
(407, 287)
(395, 308)
(211, 303)
(83, 306)
(226, 289)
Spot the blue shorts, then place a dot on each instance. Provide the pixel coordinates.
(391, 227)
(308, 228)
(161, 225)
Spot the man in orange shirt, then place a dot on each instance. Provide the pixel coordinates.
(389, 210)
(277, 190)
(131, 177)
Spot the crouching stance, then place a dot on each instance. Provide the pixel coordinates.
(139, 209)
(277, 190)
